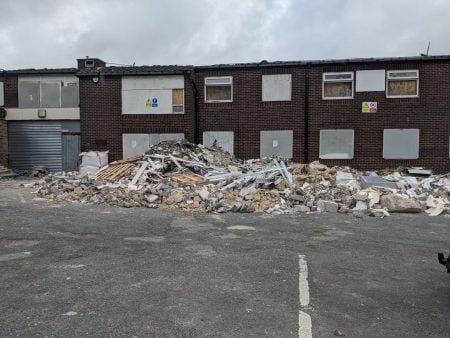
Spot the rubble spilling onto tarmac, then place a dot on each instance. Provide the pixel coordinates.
(182, 175)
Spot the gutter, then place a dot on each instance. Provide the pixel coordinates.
(306, 121)
(196, 115)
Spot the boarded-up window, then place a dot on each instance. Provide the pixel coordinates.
(152, 94)
(401, 143)
(48, 92)
(178, 100)
(276, 87)
(219, 139)
(337, 86)
(403, 83)
(336, 143)
(219, 89)
(276, 143)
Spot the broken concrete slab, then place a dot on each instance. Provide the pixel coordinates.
(377, 181)
(398, 203)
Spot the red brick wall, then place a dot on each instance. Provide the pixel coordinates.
(248, 115)
(102, 123)
(430, 113)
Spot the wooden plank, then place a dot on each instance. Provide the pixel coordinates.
(139, 173)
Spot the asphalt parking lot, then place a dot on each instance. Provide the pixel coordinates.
(84, 270)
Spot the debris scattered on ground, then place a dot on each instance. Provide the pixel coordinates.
(38, 171)
(182, 175)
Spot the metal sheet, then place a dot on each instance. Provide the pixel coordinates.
(35, 143)
(401, 143)
(29, 94)
(276, 87)
(134, 144)
(370, 80)
(71, 150)
(336, 143)
(222, 139)
(276, 142)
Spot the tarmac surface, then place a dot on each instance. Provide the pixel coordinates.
(86, 270)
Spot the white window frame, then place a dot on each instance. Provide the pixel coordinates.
(230, 83)
(389, 72)
(183, 104)
(352, 80)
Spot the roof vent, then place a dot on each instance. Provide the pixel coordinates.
(89, 63)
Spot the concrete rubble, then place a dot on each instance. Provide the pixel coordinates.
(182, 175)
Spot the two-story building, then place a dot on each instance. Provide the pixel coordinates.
(42, 118)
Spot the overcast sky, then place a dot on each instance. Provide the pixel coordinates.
(53, 33)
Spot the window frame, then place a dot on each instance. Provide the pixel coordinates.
(178, 105)
(401, 78)
(352, 80)
(62, 80)
(218, 85)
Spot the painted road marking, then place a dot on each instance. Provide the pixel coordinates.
(304, 319)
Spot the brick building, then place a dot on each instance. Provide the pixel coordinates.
(126, 109)
(39, 121)
(366, 113)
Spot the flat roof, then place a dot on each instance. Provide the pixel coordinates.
(42, 71)
(269, 64)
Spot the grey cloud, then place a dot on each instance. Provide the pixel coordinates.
(52, 33)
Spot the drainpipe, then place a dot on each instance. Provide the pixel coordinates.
(196, 115)
(306, 122)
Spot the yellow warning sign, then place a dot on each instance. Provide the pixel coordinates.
(369, 107)
(148, 103)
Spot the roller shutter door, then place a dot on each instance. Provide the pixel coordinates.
(35, 143)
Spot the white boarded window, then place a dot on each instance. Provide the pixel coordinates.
(153, 95)
(402, 83)
(370, 80)
(276, 143)
(336, 143)
(220, 139)
(138, 144)
(276, 87)
(219, 89)
(401, 143)
(337, 86)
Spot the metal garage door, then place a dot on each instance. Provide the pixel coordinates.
(35, 143)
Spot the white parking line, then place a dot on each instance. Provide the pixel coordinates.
(304, 319)
(303, 288)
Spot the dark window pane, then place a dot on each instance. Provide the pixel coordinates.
(404, 87)
(218, 93)
(337, 89)
(70, 95)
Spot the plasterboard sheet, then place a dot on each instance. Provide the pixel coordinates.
(222, 139)
(401, 143)
(277, 143)
(276, 87)
(152, 82)
(134, 144)
(336, 143)
(371, 80)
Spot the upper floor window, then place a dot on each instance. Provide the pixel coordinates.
(48, 92)
(402, 83)
(276, 87)
(219, 89)
(337, 86)
(153, 94)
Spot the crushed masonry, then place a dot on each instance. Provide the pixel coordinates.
(182, 175)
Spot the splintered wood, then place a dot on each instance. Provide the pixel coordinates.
(115, 171)
(188, 179)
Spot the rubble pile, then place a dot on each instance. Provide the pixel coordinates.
(182, 175)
